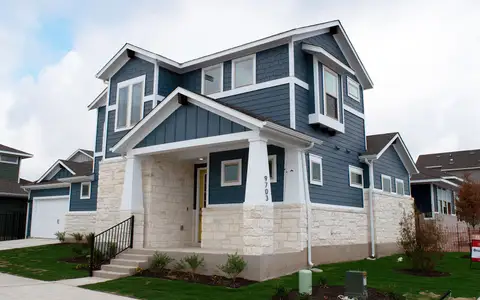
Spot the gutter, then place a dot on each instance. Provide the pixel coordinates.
(45, 186)
(76, 179)
(14, 195)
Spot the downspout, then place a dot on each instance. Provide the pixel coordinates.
(370, 204)
(307, 203)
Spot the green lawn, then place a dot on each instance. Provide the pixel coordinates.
(40, 262)
(462, 282)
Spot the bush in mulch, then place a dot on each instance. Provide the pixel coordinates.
(330, 292)
(424, 273)
(197, 278)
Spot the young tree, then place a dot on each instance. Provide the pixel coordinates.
(468, 204)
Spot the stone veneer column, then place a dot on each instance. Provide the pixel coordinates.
(258, 209)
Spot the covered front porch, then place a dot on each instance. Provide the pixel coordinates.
(213, 189)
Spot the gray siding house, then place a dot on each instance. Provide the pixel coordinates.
(259, 149)
(68, 188)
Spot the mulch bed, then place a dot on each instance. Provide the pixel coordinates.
(75, 260)
(423, 273)
(202, 279)
(332, 292)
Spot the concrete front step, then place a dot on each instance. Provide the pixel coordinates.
(119, 269)
(130, 262)
(127, 255)
(141, 251)
(108, 274)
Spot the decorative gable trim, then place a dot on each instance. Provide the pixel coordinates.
(177, 98)
(54, 169)
(79, 151)
(326, 58)
(100, 100)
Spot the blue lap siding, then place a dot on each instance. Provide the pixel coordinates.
(272, 64)
(190, 122)
(43, 193)
(101, 113)
(236, 194)
(391, 165)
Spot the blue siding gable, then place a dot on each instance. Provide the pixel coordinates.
(63, 173)
(272, 64)
(190, 122)
(167, 81)
(77, 204)
(390, 164)
(236, 194)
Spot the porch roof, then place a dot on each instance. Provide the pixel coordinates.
(181, 96)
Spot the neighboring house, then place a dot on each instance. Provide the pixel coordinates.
(12, 197)
(441, 174)
(67, 190)
(259, 149)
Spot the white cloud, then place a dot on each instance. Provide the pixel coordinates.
(422, 59)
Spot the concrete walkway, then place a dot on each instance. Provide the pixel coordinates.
(20, 288)
(6, 245)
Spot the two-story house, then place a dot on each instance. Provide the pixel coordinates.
(64, 194)
(259, 149)
(13, 199)
(436, 187)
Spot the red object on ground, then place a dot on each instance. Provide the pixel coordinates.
(475, 255)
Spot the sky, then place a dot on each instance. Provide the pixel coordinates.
(423, 57)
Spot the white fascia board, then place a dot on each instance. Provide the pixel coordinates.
(434, 180)
(22, 155)
(46, 186)
(76, 152)
(460, 169)
(58, 162)
(14, 195)
(100, 100)
(320, 52)
(76, 179)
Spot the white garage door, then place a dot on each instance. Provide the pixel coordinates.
(48, 216)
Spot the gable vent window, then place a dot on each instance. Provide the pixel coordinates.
(8, 159)
(330, 85)
(353, 89)
(212, 79)
(386, 183)
(243, 71)
(400, 187)
(130, 102)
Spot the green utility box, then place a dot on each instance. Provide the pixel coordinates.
(356, 285)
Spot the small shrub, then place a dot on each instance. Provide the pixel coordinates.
(160, 261)
(323, 282)
(82, 267)
(421, 242)
(234, 266)
(139, 271)
(192, 263)
(60, 236)
(77, 236)
(281, 292)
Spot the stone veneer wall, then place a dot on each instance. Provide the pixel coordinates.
(222, 227)
(168, 202)
(290, 227)
(83, 222)
(110, 189)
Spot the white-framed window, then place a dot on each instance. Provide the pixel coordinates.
(353, 89)
(85, 189)
(386, 183)
(231, 172)
(355, 177)
(272, 168)
(8, 159)
(130, 95)
(331, 94)
(244, 71)
(212, 79)
(316, 169)
(399, 186)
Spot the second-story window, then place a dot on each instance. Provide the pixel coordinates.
(330, 87)
(212, 79)
(8, 159)
(129, 102)
(243, 71)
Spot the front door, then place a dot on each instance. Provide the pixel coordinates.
(201, 198)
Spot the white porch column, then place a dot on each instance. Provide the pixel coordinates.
(258, 207)
(294, 185)
(132, 198)
(257, 188)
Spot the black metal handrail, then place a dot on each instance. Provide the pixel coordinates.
(109, 243)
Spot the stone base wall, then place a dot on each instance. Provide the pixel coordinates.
(168, 202)
(290, 227)
(83, 222)
(222, 227)
(110, 189)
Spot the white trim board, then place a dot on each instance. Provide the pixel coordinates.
(23, 155)
(121, 57)
(99, 101)
(326, 58)
(58, 162)
(79, 151)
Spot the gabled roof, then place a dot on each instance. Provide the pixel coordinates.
(75, 168)
(99, 101)
(88, 153)
(377, 145)
(8, 150)
(129, 50)
(170, 104)
(450, 161)
(435, 176)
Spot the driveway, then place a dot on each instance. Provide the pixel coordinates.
(5, 245)
(20, 288)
